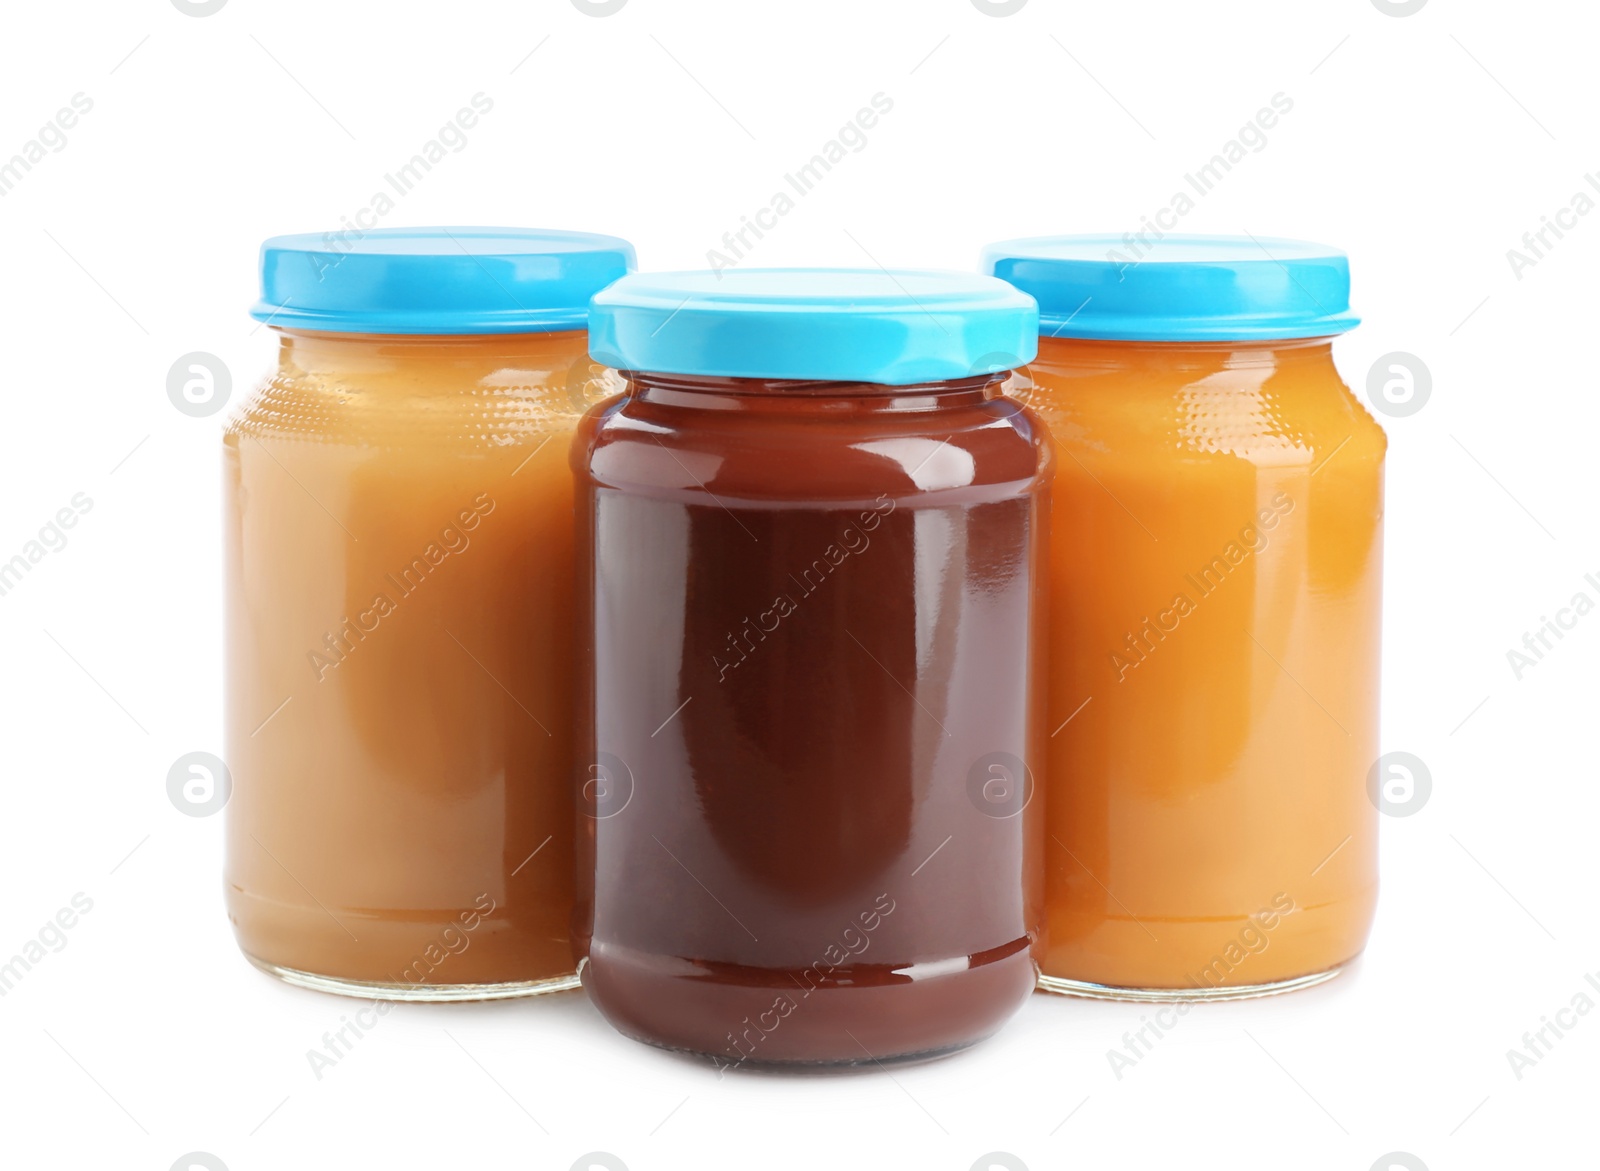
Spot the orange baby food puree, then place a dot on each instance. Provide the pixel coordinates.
(1213, 649)
(401, 655)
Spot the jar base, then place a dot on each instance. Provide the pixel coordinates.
(803, 1066)
(417, 993)
(1084, 988)
(736, 1015)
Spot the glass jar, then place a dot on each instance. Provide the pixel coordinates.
(1215, 591)
(811, 530)
(400, 608)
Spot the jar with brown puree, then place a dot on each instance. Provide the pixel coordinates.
(810, 536)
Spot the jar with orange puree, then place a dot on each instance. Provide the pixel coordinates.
(400, 611)
(1214, 598)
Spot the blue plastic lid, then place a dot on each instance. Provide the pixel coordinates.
(1179, 288)
(437, 280)
(827, 324)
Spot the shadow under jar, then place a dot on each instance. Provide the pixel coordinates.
(810, 533)
(399, 612)
(1215, 598)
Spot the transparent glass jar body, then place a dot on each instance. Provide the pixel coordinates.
(811, 617)
(1215, 601)
(400, 662)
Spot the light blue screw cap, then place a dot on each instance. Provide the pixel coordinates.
(1179, 288)
(437, 280)
(897, 328)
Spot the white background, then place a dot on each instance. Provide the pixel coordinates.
(1426, 145)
